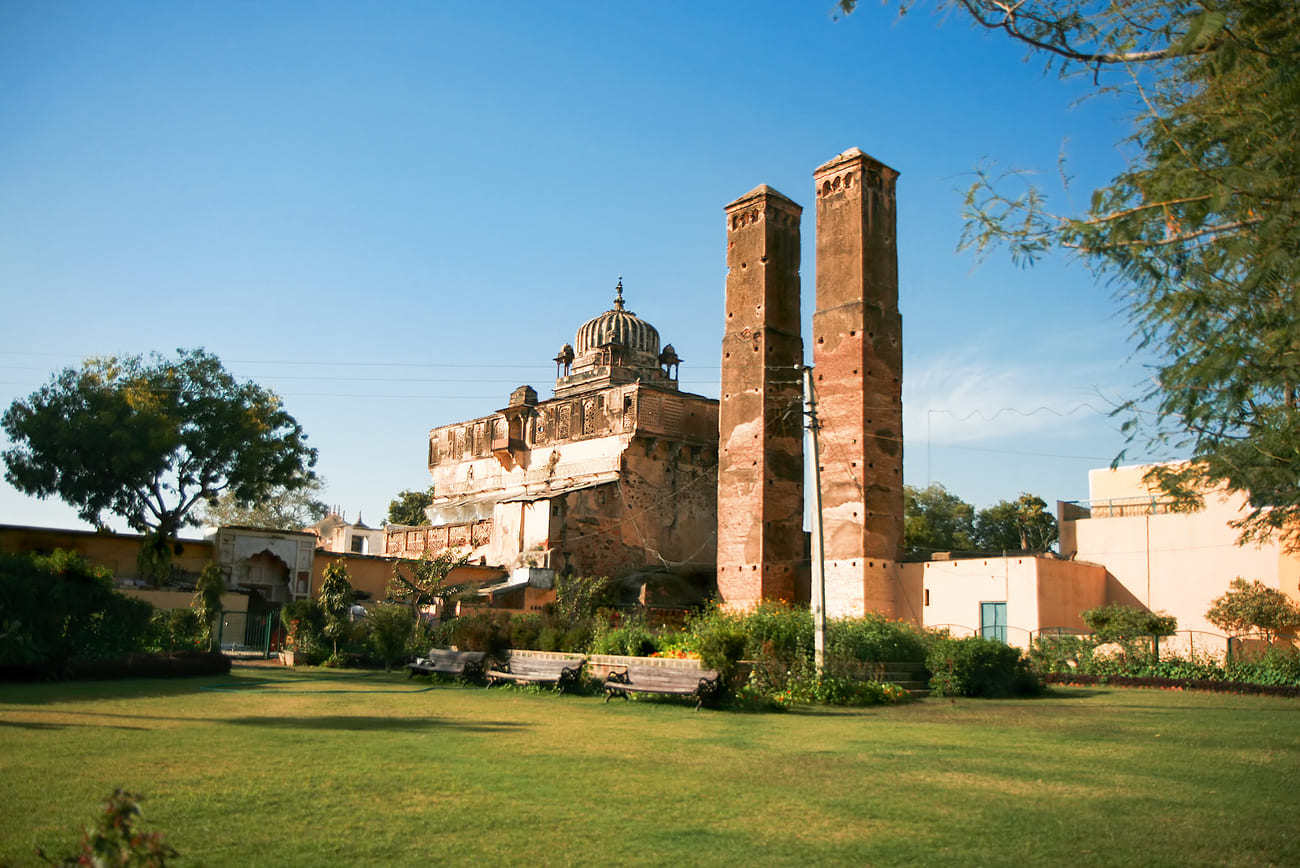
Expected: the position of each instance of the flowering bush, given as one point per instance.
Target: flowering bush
(116, 841)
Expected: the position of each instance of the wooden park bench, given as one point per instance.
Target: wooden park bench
(703, 684)
(440, 661)
(526, 669)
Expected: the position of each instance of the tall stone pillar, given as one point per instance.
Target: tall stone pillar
(760, 461)
(858, 379)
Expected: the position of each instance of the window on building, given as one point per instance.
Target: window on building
(993, 621)
(358, 544)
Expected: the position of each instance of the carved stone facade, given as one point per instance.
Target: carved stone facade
(858, 375)
(760, 471)
(276, 564)
(620, 473)
(616, 475)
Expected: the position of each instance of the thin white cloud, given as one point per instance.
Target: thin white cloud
(965, 396)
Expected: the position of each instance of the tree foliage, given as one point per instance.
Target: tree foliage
(936, 520)
(207, 598)
(390, 633)
(148, 440)
(1117, 622)
(282, 509)
(1198, 233)
(423, 581)
(1254, 606)
(1023, 524)
(408, 507)
(336, 599)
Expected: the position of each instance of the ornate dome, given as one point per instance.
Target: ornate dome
(617, 326)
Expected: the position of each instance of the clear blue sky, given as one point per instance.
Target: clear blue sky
(394, 213)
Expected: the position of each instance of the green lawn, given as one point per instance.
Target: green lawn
(279, 767)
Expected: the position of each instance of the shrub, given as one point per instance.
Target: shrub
(481, 631)
(772, 687)
(389, 632)
(176, 630)
(305, 622)
(207, 599)
(632, 639)
(115, 841)
(721, 649)
(873, 638)
(58, 609)
(579, 599)
(778, 631)
(975, 666)
(1276, 666)
(576, 639)
(526, 631)
(1061, 653)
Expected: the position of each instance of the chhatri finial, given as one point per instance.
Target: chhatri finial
(618, 299)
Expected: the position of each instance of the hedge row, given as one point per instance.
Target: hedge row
(1214, 686)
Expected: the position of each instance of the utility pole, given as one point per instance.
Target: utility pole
(818, 549)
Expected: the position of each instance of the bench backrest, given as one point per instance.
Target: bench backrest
(652, 675)
(443, 655)
(543, 665)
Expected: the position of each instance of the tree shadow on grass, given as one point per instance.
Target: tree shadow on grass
(352, 723)
(39, 726)
(362, 723)
(26, 694)
(1055, 692)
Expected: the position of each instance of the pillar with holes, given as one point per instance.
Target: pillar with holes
(761, 548)
(858, 378)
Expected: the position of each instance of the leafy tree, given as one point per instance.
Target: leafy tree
(1254, 605)
(936, 520)
(336, 599)
(408, 508)
(1198, 233)
(207, 598)
(423, 581)
(148, 440)
(282, 509)
(1023, 525)
(1115, 622)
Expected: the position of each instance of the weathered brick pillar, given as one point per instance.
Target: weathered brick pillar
(760, 421)
(858, 366)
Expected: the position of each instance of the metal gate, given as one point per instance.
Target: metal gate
(243, 635)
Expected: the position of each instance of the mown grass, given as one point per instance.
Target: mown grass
(324, 768)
